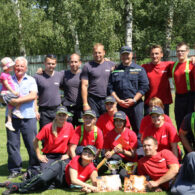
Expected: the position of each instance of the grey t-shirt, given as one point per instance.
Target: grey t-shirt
(71, 85)
(48, 88)
(98, 76)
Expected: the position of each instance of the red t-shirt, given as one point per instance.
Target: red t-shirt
(84, 173)
(57, 144)
(88, 138)
(165, 135)
(147, 121)
(128, 136)
(106, 123)
(156, 166)
(180, 77)
(158, 76)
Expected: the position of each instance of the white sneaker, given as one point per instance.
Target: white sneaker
(18, 114)
(9, 126)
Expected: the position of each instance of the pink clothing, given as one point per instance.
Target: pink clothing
(5, 76)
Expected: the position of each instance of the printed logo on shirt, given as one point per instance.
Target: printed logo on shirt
(163, 71)
(82, 176)
(107, 70)
(163, 136)
(163, 159)
(65, 136)
(56, 83)
(93, 140)
(135, 70)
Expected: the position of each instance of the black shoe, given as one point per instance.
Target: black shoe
(13, 189)
(14, 175)
(5, 184)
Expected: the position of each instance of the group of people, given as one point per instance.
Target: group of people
(102, 112)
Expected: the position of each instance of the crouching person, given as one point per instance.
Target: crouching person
(63, 174)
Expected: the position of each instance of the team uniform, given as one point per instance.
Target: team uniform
(183, 78)
(71, 85)
(165, 135)
(156, 166)
(88, 138)
(58, 174)
(49, 95)
(158, 76)
(106, 123)
(98, 76)
(126, 81)
(147, 121)
(128, 136)
(54, 147)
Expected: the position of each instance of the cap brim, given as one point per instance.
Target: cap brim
(90, 150)
(125, 52)
(61, 112)
(119, 118)
(90, 115)
(155, 113)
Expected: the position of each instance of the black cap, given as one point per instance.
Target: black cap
(91, 148)
(90, 112)
(62, 109)
(125, 49)
(156, 110)
(110, 99)
(120, 115)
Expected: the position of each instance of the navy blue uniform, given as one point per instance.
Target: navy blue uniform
(126, 81)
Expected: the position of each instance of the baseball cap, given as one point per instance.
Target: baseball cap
(91, 148)
(110, 99)
(120, 115)
(125, 49)
(7, 63)
(62, 109)
(156, 110)
(90, 112)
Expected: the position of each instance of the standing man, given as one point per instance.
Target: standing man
(183, 74)
(26, 86)
(128, 83)
(94, 79)
(161, 167)
(71, 85)
(158, 75)
(48, 87)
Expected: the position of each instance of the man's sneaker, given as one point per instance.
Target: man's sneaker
(18, 114)
(9, 126)
(5, 184)
(14, 174)
(13, 189)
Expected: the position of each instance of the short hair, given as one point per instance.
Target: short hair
(181, 44)
(50, 56)
(157, 102)
(151, 138)
(22, 58)
(98, 45)
(156, 47)
(76, 54)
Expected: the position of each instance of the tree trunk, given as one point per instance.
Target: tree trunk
(129, 23)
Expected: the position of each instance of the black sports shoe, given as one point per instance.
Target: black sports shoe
(14, 175)
(13, 189)
(5, 184)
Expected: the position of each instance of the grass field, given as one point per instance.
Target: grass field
(4, 170)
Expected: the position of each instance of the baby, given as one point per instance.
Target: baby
(8, 90)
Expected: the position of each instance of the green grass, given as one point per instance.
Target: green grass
(4, 170)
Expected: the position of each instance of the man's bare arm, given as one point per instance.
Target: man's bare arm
(84, 94)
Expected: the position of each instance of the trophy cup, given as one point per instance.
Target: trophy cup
(113, 166)
(130, 167)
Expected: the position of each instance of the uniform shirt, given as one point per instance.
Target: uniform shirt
(88, 138)
(5, 76)
(187, 128)
(27, 85)
(156, 166)
(98, 76)
(147, 121)
(158, 76)
(71, 86)
(57, 144)
(126, 81)
(128, 136)
(180, 77)
(165, 135)
(48, 87)
(106, 123)
(84, 173)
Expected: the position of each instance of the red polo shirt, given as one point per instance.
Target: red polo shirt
(127, 135)
(156, 166)
(88, 138)
(84, 173)
(106, 123)
(158, 76)
(57, 144)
